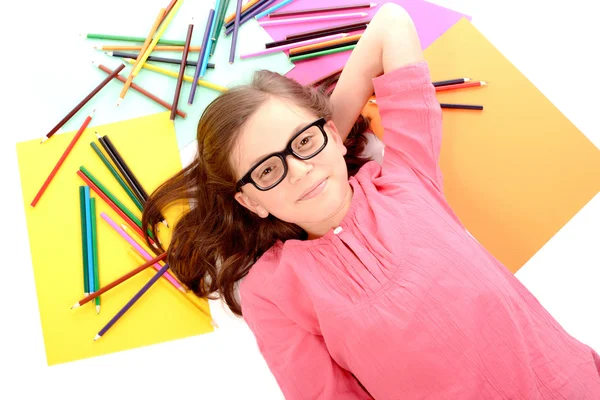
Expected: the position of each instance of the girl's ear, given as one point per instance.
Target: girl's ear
(335, 135)
(251, 205)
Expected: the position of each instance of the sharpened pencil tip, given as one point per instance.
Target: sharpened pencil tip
(75, 305)
(483, 83)
(97, 135)
(119, 101)
(373, 5)
(467, 79)
(97, 309)
(165, 223)
(181, 289)
(97, 337)
(44, 139)
(108, 53)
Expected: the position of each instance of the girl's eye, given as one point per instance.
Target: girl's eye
(266, 171)
(304, 142)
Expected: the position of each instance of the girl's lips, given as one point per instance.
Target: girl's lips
(314, 191)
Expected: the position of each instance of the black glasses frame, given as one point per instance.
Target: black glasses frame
(320, 123)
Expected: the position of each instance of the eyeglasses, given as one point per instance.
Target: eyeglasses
(271, 170)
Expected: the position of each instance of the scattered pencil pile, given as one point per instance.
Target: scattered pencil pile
(300, 47)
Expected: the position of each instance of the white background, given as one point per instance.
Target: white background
(553, 43)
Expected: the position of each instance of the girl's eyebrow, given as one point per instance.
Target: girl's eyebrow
(294, 131)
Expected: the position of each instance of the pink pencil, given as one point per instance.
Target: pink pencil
(140, 250)
(62, 159)
(281, 21)
(292, 45)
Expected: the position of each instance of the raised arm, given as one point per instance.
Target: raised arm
(389, 42)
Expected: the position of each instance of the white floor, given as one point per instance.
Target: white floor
(552, 43)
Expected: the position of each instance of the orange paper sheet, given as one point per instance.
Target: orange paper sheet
(516, 172)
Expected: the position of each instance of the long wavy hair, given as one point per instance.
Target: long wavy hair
(217, 241)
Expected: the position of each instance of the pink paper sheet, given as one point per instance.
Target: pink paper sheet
(430, 20)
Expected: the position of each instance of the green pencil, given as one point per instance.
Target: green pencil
(83, 240)
(220, 21)
(322, 53)
(108, 194)
(114, 173)
(95, 251)
(136, 39)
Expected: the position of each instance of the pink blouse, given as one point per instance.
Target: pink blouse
(399, 301)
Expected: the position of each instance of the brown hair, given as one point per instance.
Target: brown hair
(215, 244)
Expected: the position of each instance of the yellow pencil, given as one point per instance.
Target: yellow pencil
(159, 33)
(155, 26)
(186, 78)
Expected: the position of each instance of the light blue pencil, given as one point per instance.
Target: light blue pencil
(274, 8)
(88, 228)
(210, 42)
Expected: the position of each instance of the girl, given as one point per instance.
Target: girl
(359, 280)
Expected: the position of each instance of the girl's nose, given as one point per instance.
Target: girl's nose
(297, 169)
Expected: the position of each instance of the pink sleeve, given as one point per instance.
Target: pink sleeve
(412, 121)
(298, 359)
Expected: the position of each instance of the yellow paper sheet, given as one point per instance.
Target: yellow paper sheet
(516, 172)
(149, 146)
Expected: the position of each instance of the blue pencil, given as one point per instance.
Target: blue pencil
(213, 26)
(274, 8)
(131, 302)
(88, 235)
(201, 55)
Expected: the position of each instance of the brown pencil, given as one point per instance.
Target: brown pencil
(186, 49)
(326, 44)
(82, 103)
(143, 91)
(120, 280)
(320, 10)
(330, 30)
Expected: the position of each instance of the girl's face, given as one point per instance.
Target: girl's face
(314, 191)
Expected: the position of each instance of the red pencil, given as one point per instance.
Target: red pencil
(82, 103)
(460, 86)
(62, 159)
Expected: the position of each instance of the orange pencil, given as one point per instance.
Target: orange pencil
(157, 22)
(231, 16)
(460, 86)
(325, 44)
(139, 48)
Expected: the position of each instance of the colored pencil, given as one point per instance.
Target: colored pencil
(323, 48)
(272, 9)
(306, 43)
(137, 39)
(327, 31)
(322, 53)
(140, 250)
(321, 10)
(326, 77)
(220, 22)
(246, 6)
(236, 29)
(155, 58)
(318, 18)
(88, 234)
(125, 167)
(213, 27)
(83, 102)
(201, 55)
(296, 48)
(83, 240)
(187, 78)
(112, 205)
(169, 8)
(147, 42)
(163, 26)
(248, 15)
(461, 106)
(182, 66)
(95, 252)
(460, 86)
(451, 82)
(135, 190)
(143, 91)
(138, 48)
(62, 159)
(120, 280)
(131, 302)
(133, 252)
(111, 200)
(116, 175)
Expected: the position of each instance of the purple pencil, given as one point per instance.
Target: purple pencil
(131, 302)
(236, 28)
(251, 15)
(201, 54)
